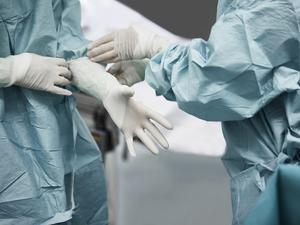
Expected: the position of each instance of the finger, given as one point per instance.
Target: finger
(122, 80)
(155, 132)
(129, 141)
(59, 91)
(61, 81)
(100, 50)
(147, 141)
(112, 60)
(60, 62)
(107, 57)
(127, 91)
(158, 118)
(115, 68)
(65, 72)
(115, 60)
(100, 41)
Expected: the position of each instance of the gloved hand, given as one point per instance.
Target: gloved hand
(36, 72)
(129, 72)
(131, 117)
(126, 44)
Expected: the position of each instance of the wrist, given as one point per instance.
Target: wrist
(91, 78)
(19, 67)
(111, 84)
(6, 65)
(102, 85)
(159, 44)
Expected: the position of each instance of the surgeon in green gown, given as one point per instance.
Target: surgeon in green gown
(51, 169)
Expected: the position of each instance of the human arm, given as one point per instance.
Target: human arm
(132, 118)
(35, 72)
(129, 72)
(134, 42)
(251, 57)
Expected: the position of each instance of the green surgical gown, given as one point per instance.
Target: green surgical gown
(246, 75)
(51, 168)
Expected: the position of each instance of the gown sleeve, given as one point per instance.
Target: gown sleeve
(71, 41)
(251, 57)
(5, 72)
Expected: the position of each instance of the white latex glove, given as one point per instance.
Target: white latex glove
(132, 118)
(35, 72)
(126, 44)
(129, 72)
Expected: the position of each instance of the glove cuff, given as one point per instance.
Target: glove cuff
(148, 43)
(107, 84)
(159, 44)
(19, 67)
(6, 65)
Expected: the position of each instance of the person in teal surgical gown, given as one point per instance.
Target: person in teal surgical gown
(279, 204)
(51, 169)
(246, 75)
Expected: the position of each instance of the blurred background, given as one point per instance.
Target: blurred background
(186, 185)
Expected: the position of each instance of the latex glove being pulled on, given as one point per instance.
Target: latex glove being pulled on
(130, 116)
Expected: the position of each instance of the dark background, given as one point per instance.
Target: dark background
(186, 18)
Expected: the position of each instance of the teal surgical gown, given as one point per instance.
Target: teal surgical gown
(247, 76)
(279, 204)
(50, 168)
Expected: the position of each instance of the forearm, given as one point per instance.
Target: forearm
(96, 82)
(238, 70)
(11, 69)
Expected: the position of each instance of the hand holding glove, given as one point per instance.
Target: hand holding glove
(132, 118)
(129, 72)
(126, 44)
(36, 72)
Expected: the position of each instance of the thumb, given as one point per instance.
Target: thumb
(127, 91)
(115, 68)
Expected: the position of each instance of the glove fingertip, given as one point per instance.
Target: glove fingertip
(155, 152)
(166, 124)
(60, 91)
(113, 70)
(67, 93)
(131, 149)
(129, 142)
(169, 125)
(133, 154)
(166, 145)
